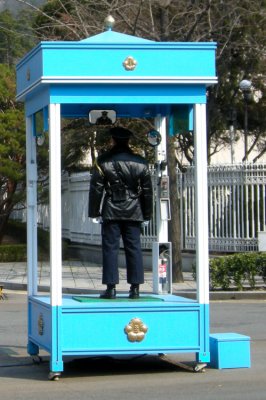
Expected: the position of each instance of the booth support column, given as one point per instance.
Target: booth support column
(201, 205)
(55, 204)
(202, 235)
(32, 251)
(161, 157)
(162, 261)
(56, 361)
(32, 258)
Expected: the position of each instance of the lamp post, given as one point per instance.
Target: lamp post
(245, 87)
(232, 119)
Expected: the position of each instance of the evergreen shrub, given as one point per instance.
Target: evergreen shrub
(236, 270)
(13, 252)
(18, 231)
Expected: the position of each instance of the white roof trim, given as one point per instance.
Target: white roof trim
(181, 80)
(123, 79)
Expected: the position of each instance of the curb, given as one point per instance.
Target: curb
(245, 295)
(214, 296)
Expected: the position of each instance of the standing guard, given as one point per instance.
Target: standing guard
(121, 195)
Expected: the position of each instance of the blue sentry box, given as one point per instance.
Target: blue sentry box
(229, 350)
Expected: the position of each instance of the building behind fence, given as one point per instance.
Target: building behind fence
(237, 209)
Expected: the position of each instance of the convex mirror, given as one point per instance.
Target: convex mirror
(40, 125)
(154, 137)
(102, 117)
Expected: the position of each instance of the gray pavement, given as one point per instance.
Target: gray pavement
(85, 277)
(78, 276)
(144, 378)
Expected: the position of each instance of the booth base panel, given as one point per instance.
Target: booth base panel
(86, 325)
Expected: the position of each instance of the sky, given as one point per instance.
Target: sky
(15, 6)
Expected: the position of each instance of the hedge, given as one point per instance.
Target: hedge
(13, 252)
(236, 270)
(18, 252)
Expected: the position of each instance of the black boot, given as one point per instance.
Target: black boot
(134, 291)
(110, 293)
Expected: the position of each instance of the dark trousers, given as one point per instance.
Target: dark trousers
(130, 232)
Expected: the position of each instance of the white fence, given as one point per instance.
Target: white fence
(237, 204)
(237, 209)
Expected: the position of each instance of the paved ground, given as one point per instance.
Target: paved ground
(77, 276)
(141, 378)
(82, 277)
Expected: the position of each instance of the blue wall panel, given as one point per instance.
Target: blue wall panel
(103, 332)
(29, 70)
(109, 62)
(36, 102)
(129, 94)
(40, 324)
(175, 325)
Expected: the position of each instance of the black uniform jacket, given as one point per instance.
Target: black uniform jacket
(121, 187)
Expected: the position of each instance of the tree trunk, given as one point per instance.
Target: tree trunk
(3, 224)
(174, 227)
(6, 207)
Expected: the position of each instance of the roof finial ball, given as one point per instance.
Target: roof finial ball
(109, 23)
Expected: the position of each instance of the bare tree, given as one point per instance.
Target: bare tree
(238, 27)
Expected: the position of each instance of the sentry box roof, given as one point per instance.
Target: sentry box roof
(134, 76)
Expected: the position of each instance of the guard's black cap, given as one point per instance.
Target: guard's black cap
(118, 132)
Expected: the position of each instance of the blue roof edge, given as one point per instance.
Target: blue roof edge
(115, 37)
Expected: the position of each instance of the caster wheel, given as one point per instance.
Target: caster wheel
(200, 368)
(54, 376)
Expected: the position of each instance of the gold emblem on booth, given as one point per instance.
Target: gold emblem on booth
(40, 324)
(130, 63)
(136, 330)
